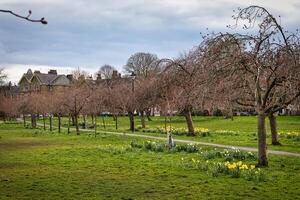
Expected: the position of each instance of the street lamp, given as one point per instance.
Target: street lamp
(133, 75)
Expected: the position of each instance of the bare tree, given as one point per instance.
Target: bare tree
(186, 76)
(75, 100)
(142, 64)
(261, 70)
(106, 71)
(145, 96)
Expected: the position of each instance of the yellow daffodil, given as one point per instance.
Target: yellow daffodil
(239, 163)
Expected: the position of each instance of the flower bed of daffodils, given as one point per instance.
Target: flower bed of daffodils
(203, 132)
(295, 135)
(230, 161)
(233, 169)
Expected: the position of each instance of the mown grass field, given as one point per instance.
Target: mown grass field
(243, 129)
(37, 164)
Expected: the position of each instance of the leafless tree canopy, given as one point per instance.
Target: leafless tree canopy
(142, 64)
(106, 71)
(258, 71)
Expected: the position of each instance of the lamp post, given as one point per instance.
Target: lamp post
(131, 113)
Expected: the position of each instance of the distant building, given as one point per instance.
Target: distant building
(38, 81)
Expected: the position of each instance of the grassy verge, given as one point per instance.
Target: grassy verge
(45, 165)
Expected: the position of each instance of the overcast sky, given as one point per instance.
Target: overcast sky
(90, 33)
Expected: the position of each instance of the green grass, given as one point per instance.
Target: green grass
(244, 127)
(37, 164)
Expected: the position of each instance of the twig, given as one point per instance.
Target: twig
(42, 20)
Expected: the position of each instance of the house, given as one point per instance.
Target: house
(38, 81)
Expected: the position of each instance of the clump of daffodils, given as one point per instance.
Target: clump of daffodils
(234, 169)
(183, 131)
(290, 135)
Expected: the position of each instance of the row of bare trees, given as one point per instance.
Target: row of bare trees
(259, 71)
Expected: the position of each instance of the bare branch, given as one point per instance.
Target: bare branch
(42, 20)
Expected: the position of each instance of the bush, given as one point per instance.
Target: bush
(160, 147)
(229, 155)
(134, 144)
(217, 112)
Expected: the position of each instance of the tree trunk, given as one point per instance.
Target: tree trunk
(59, 122)
(131, 121)
(24, 120)
(116, 121)
(50, 119)
(273, 126)
(262, 140)
(44, 121)
(143, 119)
(69, 122)
(148, 114)
(189, 122)
(93, 121)
(95, 125)
(84, 121)
(33, 120)
(103, 122)
(166, 123)
(73, 120)
(76, 124)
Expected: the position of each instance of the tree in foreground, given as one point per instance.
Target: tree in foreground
(259, 71)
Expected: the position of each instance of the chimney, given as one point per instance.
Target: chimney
(70, 77)
(114, 74)
(99, 76)
(52, 71)
(37, 72)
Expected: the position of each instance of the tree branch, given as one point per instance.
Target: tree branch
(42, 20)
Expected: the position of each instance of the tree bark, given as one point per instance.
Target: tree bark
(116, 121)
(143, 119)
(69, 122)
(273, 126)
(95, 125)
(84, 121)
(262, 140)
(189, 122)
(76, 124)
(33, 120)
(103, 122)
(166, 124)
(131, 121)
(24, 120)
(93, 120)
(73, 120)
(59, 122)
(50, 119)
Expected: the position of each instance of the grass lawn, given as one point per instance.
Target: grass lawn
(43, 165)
(242, 129)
